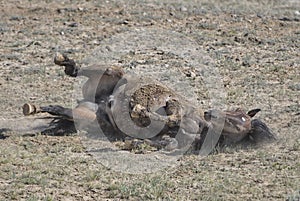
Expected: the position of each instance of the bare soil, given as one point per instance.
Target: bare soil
(255, 46)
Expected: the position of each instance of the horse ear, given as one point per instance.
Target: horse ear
(253, 112)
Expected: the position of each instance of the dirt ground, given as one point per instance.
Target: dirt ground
(255, 46)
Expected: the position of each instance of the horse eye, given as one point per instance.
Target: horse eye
(110, 101)
(243, 119)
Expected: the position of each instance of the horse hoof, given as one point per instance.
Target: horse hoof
(29, 109)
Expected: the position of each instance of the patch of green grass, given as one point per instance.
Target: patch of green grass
(294, 196)
(92, 176)
(153, 187)
(36, 198)
(32, 178)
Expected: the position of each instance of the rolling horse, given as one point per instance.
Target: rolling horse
(125, 106)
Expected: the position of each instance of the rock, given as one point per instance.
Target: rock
(183, 9)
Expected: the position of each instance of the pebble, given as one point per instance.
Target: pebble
(125, 22)
(73, 24)
(16, 18)
(183, 9)
(191, 74)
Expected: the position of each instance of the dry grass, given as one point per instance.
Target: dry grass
(255, 46)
